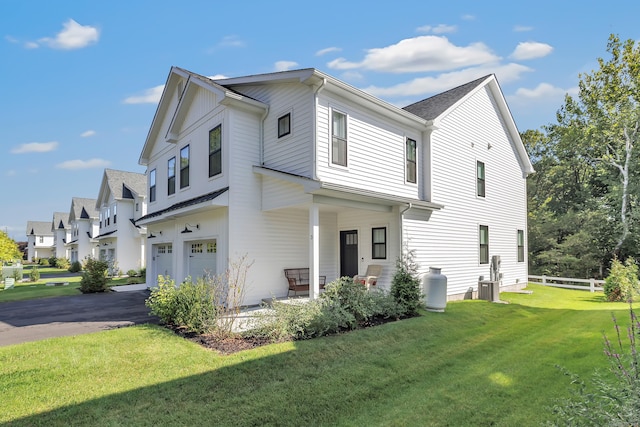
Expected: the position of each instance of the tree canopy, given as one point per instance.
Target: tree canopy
(8, 248)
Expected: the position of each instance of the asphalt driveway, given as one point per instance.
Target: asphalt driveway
(33, 320)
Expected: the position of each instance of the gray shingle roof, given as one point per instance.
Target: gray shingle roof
(431, 108)
(39, 228)
(60, 220)
(83, 208)
(122, 183)
(184, 204)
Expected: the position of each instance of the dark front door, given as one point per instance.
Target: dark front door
(349, 253)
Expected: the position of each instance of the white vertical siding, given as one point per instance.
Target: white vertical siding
(449, 239)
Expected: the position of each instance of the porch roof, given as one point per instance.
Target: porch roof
(186, 207)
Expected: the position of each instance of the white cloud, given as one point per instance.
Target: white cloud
(468, 17)
(88, 133)
(285, 65)
(218, 77)
(11, 39)
(543, 91)
(438, 29)
(522, 28)
(10, 172)
(149, 96)
(35, 147)
(420, 54)
(231, 41)
(31, 45)
(430, 85)
(327, 50)
(531, 50)
(72, 36)
(84, 164)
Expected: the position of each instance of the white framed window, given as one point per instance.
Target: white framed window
(410, 158)
(480, 175)
(379, 243)
(483, 239)
(520, 244)
(284, 125)
(184, 167)
(215, 151)
(115, 214)
(171, 176)
(152, 185)
(338, 138)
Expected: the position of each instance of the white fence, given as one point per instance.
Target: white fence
(561, 282)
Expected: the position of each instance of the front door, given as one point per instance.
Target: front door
(349, 253)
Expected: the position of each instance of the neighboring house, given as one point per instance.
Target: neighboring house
(121, 201)
(83, 226)
(39, 240)
(61, 234)
(299, 169)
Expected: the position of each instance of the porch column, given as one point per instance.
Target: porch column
(314, 251)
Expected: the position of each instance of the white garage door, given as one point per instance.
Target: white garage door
(163, 260)
(201, 259)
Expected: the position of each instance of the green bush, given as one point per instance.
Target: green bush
(142, 272)
(162, 300)
(622, 283)
(44, 262)
(94, 278)
(405, 285)
(132, 273)
(63, 263)
(53, 261)
(75, 267)
(34, 274)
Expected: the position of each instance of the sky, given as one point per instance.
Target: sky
(80, 80)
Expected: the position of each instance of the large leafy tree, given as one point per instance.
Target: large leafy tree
(8, 248)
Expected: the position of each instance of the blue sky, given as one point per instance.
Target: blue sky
(80, 80)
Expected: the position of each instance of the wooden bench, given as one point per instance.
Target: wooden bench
(298, 279)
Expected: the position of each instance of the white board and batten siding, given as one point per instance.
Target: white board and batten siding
(375, 150)
(450, 238)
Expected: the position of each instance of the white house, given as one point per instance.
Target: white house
(83, 225)
(299, 169)
(121, 201)
(39, 240)
(61, 234)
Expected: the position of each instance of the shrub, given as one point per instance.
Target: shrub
(622, 283)
(75, 267)
(405, 285)
(353, 299)
(132, 273)
(34, 274)
(53, 261)
(142, 272)
(63, 263)
(162, 300)
(43, 262)
(94, 278)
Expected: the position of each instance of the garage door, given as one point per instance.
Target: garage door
(163, 260)
(201, 259)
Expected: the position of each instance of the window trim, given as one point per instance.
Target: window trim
(152, 185)
(281, 118)
(171, 176)
(481, 181)
(184, 169)
(483, 245)
(520, 245)
(375, 244)
(215, 152)
(408, 161)
(343, 140)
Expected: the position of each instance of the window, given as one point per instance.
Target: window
(171, 176)
(108, 216)
(115, 214)
(411, 160)
(480, 175)
(520, 245)
(152, 186)
(379, 243)
(215, 151)
(484, 244)
(41, 239)
(137, 206)
(339, 139)
(100, 219)
(184, 167)
(284, 125)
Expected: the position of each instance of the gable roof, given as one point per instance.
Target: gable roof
(438, 106)
(82, 208)
(122, 185)
(39, 228)
(60, 220)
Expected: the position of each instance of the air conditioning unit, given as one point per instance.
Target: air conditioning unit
(489, 290)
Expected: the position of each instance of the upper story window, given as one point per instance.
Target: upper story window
(338, 138)
(480, 186)
(137, 206)
(108, 221)
(483, 238)
(284, 125)
(152, 186)
(379, 243)
(100, 219)
(184, 167)
(171, 176)
(411, 160)
(115, 214)
(41, 239)
(215, 151)
(520, 245)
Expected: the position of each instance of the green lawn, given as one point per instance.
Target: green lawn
(477, 364)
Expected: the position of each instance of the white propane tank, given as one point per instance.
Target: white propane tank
(435, 290)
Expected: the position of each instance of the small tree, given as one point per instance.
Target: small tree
(94, 278)
(34, 274)
(8, 248)
(622, 283)
(405, 285)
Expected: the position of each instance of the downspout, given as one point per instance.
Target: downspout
(401, 219)
(261, 148)
(314, 152)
